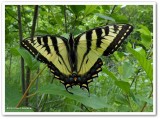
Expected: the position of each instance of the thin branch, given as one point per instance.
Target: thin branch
(32, 34)
(28, 70)
(31, 83)
(34, 20)
(113, 9)
(24, 13)
(20, 39)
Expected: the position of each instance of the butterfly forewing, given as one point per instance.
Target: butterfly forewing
(50, 50)
(99, 41)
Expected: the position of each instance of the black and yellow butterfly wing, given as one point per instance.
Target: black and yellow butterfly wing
(86, 50)
(99, 41)
(51, 50)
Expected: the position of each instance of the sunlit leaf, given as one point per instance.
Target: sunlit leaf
(146, 65)
(125, 86)
(89, 9)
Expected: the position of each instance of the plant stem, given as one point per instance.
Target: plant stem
(20, 40)
(31, 83)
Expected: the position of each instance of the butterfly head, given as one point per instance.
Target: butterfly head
(74, 76)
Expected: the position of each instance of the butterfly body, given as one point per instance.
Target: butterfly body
(76, 61)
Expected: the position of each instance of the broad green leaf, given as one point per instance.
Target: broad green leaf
(141, 51)
(77, 8)
(146, 40)
(119, 18)
(105, 70)
(125, 86)
(146, 64)
(26, 56)
(144, 30)
(32, 63)
(89, 9)
(78, 95)
(104, 17)
(35, 64)
(146, 37)
(14, 51)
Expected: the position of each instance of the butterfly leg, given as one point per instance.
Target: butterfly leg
(85, 86)
(67, 86)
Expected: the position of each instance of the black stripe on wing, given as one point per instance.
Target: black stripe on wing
(118, 40)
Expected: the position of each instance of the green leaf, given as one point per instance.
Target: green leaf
(76, 9)
(119, 98)
(105, 70)
(142, 98)
(39, 31)
(104, 17)
(14, 51)
(144, 30)
(89, 9)
(78, 95)
(140, 50)
(125, 86)
(126, 70)
(146, 65)
(58, 19)
(32, 63)
(146, 37)
(119, 55)
(119, 18)
(26, 56)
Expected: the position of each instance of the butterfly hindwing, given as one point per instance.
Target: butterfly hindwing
(52, 50)
(99, 41)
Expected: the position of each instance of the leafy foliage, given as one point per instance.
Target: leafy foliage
(124, 85)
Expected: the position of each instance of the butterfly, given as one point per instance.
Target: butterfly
(76, 61)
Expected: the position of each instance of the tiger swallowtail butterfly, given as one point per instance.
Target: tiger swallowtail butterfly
(76, 61)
